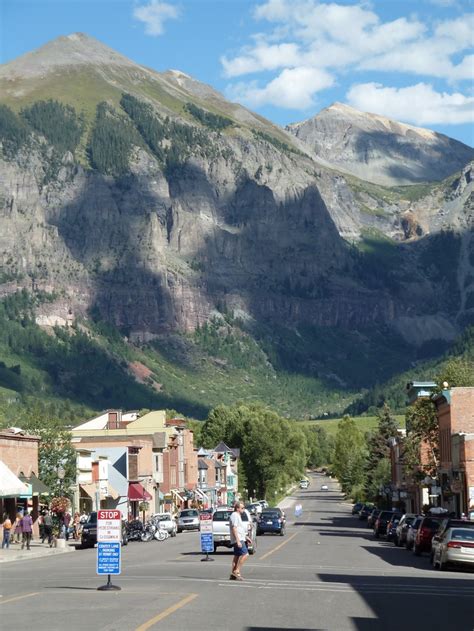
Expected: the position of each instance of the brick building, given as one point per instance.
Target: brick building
(455, 413)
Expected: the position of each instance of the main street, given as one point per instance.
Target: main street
(328, 572)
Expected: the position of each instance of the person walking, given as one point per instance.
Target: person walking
(17, 532)
(48, 528)
(66, 524)
(27, 530)
(7, 528)
(238, 539)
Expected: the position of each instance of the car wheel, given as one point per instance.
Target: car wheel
(179, 530)
(125, 541)
(215, 548)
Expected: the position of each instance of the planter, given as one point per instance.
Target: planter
(60, 543)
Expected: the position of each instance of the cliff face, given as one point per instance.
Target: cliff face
(246, 222)
(380, 150)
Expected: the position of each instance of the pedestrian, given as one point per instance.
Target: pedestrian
(7, 528)
(83, 517)
(17, 532)
(76, 526)
(48, 528)
(239, 540)
(27, 530)
(66, 523)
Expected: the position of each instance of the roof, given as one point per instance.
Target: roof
(37, 487)
(10, 485)
(222, 448)
(202, 464)
(16, 433)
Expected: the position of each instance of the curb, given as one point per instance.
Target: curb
(40, 554)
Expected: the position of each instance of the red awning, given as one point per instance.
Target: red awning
(136, 492)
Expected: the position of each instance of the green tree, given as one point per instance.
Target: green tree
(379, 452)
(422, 427)
(350, 455)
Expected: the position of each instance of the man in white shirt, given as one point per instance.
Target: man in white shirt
(238, 539)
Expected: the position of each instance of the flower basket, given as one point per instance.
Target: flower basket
(59, 505)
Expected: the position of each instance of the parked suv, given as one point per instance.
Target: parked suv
(365, 511)
(221, 528)
(188, 519)
(380, 526)
(402, 529)
(392, 526)
(426, 531)
(89, 532)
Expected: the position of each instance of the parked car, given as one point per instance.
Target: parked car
(254, 509)
(221, 529)
(263, 503)
(452, 522)
(324, 487)
(271, 520)
(380, 525)
(425, 533)
(392, 526)
(304, 484)
(356, 508)
(89, 532)
(167, 522)
(372, 517)
(402, 528)
(412, 529)
(453, 546)
(365, 511)
(188, 519)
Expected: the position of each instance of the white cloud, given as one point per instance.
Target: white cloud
(293, 88)
(419, 104)
(154, 15)
(341, 38)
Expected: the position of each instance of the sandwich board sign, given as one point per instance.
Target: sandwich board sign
(109, 545)
(207, 539)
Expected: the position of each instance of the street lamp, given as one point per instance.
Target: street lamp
(60, 471)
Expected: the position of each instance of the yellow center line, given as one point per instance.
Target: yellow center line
(166, 613)
(278, 547)
(10, 600)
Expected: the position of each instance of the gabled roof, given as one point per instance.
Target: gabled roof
(222, 448)
(203, 452)
(202, 464)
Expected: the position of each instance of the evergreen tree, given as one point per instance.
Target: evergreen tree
(350, 454)
(378, 471)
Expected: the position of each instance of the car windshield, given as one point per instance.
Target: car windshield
(92, 518)
(273, 514)
(189, 513)
(224, 515)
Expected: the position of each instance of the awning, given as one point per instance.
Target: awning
(88, 489)
(10, 485)
(203, 495)
(136, 492)
(111, 492)
(176, 494)
(37, 487)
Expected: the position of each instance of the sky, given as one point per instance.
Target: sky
(410, 60)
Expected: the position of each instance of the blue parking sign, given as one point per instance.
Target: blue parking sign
(207, 542)
(108, 557)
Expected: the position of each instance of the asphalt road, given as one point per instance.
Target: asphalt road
(327, 572)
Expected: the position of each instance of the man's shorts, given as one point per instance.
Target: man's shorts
(242, 551)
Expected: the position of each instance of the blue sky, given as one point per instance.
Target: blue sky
(411, 60)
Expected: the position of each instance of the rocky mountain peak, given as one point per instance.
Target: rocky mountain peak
(75, 49)
(378, 149)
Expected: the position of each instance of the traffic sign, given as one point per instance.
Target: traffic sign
(108, 558)
(109, 525)
(207, 543)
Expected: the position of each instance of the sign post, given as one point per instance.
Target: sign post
(207, 538)
(109, 546)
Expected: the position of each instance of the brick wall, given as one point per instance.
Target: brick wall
(462, 410)
(20, 454)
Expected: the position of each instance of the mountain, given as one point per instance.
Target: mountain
(216, 247)
(380, 150)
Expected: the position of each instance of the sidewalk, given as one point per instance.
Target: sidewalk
(37, 550)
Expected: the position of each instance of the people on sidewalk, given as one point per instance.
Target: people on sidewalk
(47, 528)
(17, 532)
(27, 530)
(7, 528)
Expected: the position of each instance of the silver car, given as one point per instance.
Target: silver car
(188, 519)
(454, 545)
(411, 533)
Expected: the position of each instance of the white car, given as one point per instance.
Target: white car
(166, 522)
(455, 545)
(324, 487)
(304, 484)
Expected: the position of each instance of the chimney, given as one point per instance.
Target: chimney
(114, 420)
